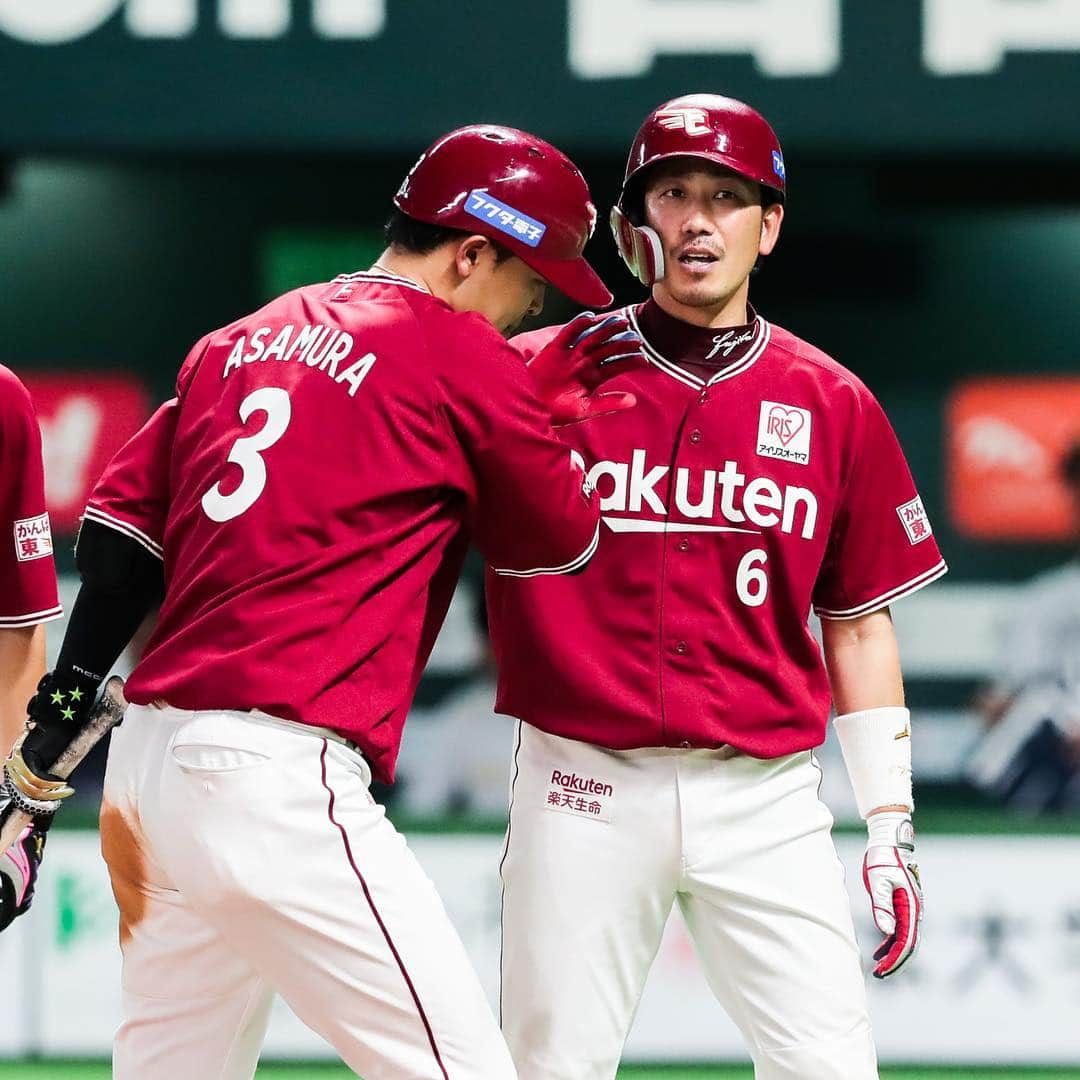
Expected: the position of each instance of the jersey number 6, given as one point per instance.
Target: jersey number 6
(247, 453)
(751, 581)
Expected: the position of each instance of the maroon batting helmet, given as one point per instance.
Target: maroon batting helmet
(717, 129)
(515, 189)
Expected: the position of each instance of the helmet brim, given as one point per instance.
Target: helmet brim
(574, 277)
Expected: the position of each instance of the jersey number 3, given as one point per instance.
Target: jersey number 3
(247, 452)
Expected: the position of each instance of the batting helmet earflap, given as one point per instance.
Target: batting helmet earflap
(707, 126)
(514, 189)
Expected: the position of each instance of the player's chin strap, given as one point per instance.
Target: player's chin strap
(639, 247)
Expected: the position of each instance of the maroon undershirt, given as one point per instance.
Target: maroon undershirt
(701, 350)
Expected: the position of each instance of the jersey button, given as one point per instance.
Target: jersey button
(681, 647)
(695, 436)
(684, 544)
(684, 745)
(703, 397)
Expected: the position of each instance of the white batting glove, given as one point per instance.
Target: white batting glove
(892, 880)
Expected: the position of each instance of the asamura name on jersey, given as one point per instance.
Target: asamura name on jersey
(735, 498)
(321, 348)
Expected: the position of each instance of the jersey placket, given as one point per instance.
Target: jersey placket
(681, 652)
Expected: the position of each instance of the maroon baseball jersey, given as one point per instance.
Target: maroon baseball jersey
(27, 573)
(313, 489)
(753, 480)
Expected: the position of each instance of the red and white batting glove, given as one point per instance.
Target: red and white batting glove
(581, 357)
(19, 870)
(892, 880)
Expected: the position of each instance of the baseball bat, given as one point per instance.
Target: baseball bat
(103, 717)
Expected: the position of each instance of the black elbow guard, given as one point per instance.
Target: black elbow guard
(109, 561)
(121, 583)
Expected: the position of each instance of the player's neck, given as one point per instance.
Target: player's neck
(701, 350)
(728, 312)
(416, 268)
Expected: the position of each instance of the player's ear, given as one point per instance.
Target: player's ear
(771, 218)
(470, 254)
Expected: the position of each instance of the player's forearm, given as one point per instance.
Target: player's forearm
(22, 663)
(863, 661)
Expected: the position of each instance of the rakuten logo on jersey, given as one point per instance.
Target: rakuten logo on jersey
(701, 495)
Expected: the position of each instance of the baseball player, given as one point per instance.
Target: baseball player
(309, 495)
(28, 599)
(1029, 757)
(670, 698)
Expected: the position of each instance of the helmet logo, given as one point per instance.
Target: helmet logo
(505, 218)
(778, 164)
(686, 118)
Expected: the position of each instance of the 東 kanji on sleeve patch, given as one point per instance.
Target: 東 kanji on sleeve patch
(913, 518)
(33, 538)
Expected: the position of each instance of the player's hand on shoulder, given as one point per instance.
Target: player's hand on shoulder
(570, 369)
(892, 879)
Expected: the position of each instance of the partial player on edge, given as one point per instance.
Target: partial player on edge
(28, 600)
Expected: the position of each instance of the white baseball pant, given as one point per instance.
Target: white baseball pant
(600, 845)
(247, 857)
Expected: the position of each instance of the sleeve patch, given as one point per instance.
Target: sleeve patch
(913, 517)
(33, 538)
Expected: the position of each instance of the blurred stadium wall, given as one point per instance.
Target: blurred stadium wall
(166, 165)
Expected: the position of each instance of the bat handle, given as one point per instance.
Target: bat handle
(106, 714)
